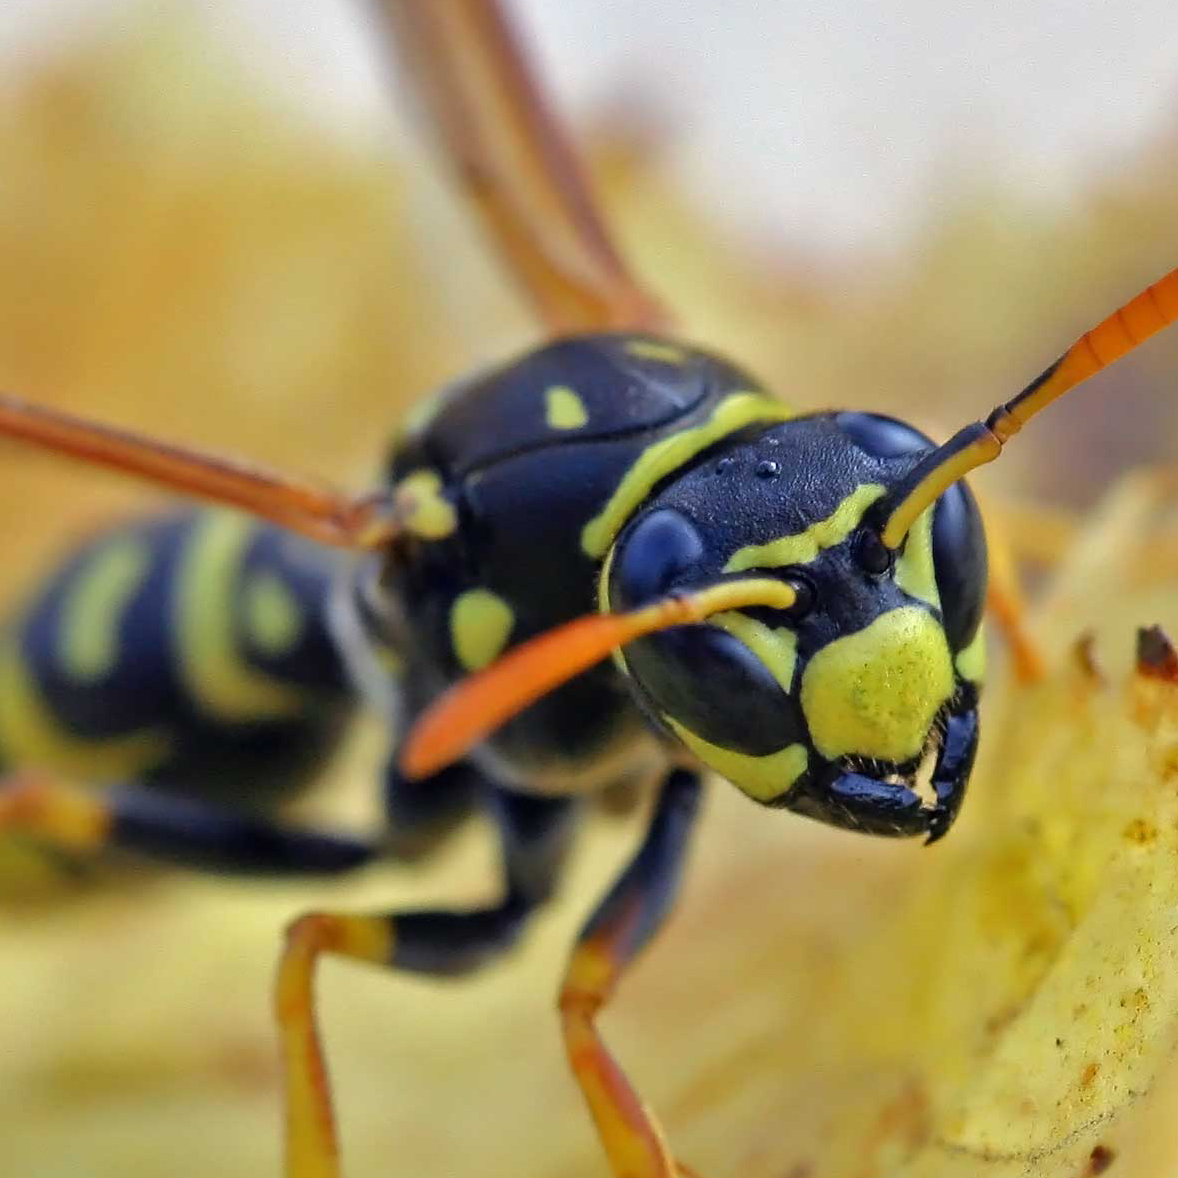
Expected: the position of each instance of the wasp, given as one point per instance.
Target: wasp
(615, 559)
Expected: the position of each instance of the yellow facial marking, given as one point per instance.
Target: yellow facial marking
(775, 646)
(915, 572)
(763, 778)
(272, 614)
(89, 648)
(480, 625)
(971, 659)
(875, 693)
(211, 665)
(564, 409)
(648, 349)
(803, 547)
(30, 734)
(428, 513)
(666, 455)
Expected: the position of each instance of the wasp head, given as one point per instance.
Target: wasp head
(833, 706)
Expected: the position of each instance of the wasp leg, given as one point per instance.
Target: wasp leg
(171, 829)
(534, 833)
(1040, 534)
(419, 814)
(623, 923)
(1004, 601)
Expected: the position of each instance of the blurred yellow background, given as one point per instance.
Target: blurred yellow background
(185, 253)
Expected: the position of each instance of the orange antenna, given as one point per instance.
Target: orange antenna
(1156, 307)
(320, 513)
(474, 708)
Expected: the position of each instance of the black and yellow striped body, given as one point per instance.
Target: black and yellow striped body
(536, 467)
(189, 652)
(215, 658)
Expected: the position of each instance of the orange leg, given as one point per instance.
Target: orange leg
(534, 833)
(185, 831)
(311, 1149)
(65, 816)
(1004, 599)
(627, 918)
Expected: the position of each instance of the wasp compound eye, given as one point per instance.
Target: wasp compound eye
(871, 554)
(660, 548)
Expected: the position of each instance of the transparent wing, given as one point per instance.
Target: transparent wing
(515, 162)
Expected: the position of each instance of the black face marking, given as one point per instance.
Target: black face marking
(872, 554)
(709, 681)
(692, 671)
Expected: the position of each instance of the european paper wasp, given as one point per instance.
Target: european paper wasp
(792, 599)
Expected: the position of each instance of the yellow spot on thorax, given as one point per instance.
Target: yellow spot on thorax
(916, 573)
(31, 735)
(668, 454)
(648, 349)
(273, 615)
(212, 666)
(875, 693)
(480, 624)
(89, 639)
(763, 778)
(971, 659)
(803, 547)
(427, 513)
(564, 409)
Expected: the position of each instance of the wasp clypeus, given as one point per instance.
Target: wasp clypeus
(792, 600)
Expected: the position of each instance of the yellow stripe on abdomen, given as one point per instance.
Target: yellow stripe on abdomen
(212, 668)
(88, 644)
(31, 735)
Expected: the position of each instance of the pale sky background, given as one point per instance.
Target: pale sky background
(826, 123)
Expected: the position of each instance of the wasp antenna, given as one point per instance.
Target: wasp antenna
(1154, 308)
(475, 707)
(320, 513)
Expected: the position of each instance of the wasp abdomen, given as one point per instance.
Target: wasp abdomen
(188, 650)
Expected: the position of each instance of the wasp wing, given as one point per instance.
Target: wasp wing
(515, 163)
